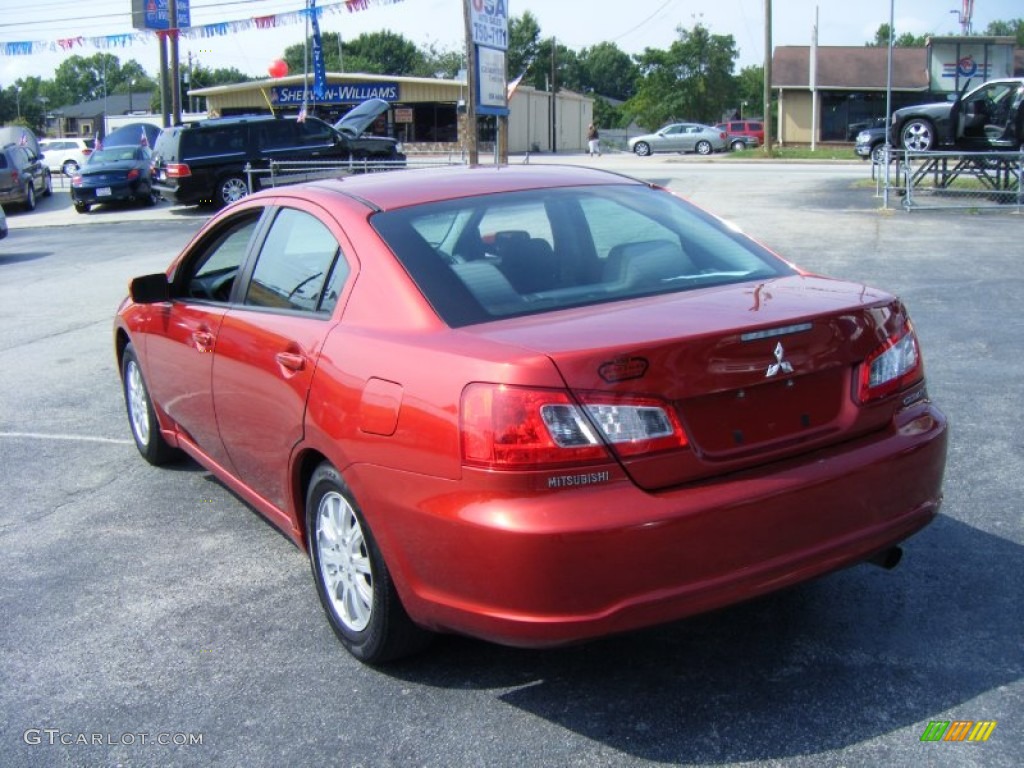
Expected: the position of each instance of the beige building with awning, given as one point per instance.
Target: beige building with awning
(425, 113)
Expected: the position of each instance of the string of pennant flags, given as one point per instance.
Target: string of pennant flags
(219, 29)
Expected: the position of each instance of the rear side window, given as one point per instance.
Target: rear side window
(204, 142)
(494, 256)
(295, 262)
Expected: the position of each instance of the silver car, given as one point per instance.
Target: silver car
(681, 137)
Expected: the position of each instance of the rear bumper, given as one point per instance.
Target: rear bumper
(182, 194)
(118, 193)
(560, 564)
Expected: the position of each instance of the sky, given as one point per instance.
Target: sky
(632, 25)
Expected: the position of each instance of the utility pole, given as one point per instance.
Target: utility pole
(172, 6)
(470, 133)
(554, 98)
(767, 94)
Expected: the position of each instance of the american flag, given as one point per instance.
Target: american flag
(98, 143)
(302, 114)
(144, 141)
(23, 141)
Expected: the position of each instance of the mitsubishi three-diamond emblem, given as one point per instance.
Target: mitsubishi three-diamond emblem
(780, 365)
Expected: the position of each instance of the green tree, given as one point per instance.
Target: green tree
(906, 40)
(24, 103)
(606, 115)
(523, 44)
(608, 71)
(442, 62)
(750, 90)
(382, 53)
(81, 78)
(1013, 28)
(692, 80)
(204, 77)
(555, 66)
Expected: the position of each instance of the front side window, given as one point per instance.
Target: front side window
(494, 256)
(313, 132)
(210, 274)
(295, 263)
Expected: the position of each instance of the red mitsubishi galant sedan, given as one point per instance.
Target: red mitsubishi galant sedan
(530, 404)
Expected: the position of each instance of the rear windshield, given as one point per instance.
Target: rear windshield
(495, 256)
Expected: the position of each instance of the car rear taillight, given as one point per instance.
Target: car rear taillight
(177, 170)
(892, 367)
(133, 173)
(505, 427)
(86, 152)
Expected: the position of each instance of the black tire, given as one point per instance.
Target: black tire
(738, 145)
(47, 184)
(918, 135)
(69, 168)
(141, 416)
(642, 148)
(878, 154)
(30, 197)
(230, 187)
(353, 582)
(82, 207)
(703, 147)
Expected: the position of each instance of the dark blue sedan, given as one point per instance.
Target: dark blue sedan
(114, 174)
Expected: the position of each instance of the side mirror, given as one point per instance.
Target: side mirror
(150, 289)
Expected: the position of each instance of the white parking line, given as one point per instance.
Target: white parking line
(76, 438)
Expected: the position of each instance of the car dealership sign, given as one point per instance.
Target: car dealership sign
(156, 14)
(489, 20)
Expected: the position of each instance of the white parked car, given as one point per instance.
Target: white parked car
(66, 155)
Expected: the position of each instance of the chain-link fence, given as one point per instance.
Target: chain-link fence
(951, 180)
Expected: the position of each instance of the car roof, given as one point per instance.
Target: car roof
(401, 188)
(214, 122)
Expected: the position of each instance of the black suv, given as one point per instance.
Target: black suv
(205, 162)
(23, 176)
(989, 117)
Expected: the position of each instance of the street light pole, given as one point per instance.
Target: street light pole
(17, 99)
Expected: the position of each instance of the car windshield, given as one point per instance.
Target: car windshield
(495, 256)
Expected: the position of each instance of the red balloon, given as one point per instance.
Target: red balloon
(278, 68)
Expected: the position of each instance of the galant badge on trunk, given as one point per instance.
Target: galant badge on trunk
(780, 365)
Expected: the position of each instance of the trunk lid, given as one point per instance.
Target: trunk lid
(756, 371)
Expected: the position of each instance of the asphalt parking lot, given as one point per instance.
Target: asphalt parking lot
(148, 617)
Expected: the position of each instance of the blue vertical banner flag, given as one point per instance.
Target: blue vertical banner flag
(319, 69)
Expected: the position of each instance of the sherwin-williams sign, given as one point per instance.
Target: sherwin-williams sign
(336, 93)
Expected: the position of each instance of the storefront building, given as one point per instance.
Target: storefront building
(426, 114)
(849, 87)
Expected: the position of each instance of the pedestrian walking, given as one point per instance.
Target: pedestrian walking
(593, 140)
